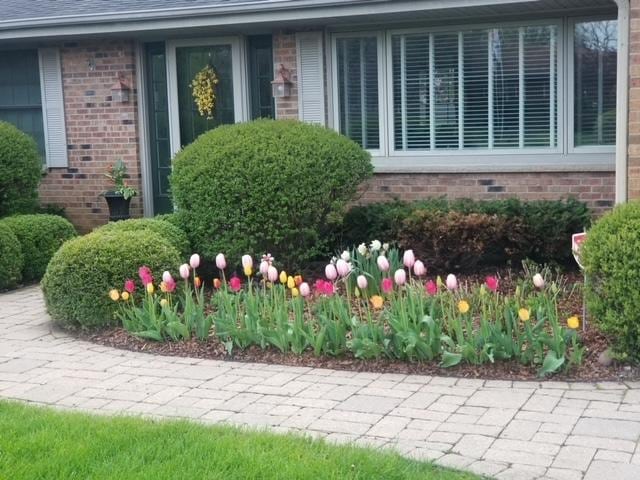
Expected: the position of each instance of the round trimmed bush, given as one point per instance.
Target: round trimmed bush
(79, 276)
(167, 230)
(611, 256)
(11, 258)
(276, 186)
(20, 171)
(40, 237)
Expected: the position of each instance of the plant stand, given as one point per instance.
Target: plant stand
(118, 206)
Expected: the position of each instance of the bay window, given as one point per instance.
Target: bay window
(477, 91)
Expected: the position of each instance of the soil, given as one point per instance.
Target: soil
(571, 303)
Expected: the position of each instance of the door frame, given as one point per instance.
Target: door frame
(239, 73)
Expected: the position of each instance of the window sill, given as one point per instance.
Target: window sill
(584, 162)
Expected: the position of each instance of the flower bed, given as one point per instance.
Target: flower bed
(374, 303)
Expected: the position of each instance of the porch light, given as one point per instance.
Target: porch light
(281, 85)
(120, 90)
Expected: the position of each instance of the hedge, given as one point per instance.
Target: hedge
(11, 258)
(167, 230)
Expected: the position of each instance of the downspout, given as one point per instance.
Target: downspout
(622, 116)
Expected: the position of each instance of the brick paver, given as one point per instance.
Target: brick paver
(503, 429)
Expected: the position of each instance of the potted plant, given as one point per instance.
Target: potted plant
(119, 198)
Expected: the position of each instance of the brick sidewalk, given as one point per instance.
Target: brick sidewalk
(519, 430)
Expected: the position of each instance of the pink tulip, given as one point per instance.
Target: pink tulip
(383, 263)
(343, 268)
(166, 277)
(221, 262)
(272, 274)
(419, 269)
(305, 290)
(387, 285)
(452, 282)
(330, 272)
(247, 262)
(362, 282)
(264, 268)
(400, 277)
(538, 281)
(145, 275)
(235, 284)
(431, 288)
(130, 286)
(409, 259)
(492, 283)
(194, 261)
(184, 271)
(170, 284)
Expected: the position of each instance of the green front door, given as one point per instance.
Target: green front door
(189, 61)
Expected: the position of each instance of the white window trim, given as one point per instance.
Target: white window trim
(240, 83)
(561, 158)
(335, 98)
(570, 43)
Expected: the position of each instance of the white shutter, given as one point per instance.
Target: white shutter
(53, 107)
(310, 77)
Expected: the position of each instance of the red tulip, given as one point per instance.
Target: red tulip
(235, 284)
(130, 286)
(431, 287)
(492, 283)
(387, 285)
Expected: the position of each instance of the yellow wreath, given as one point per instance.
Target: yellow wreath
(204, 95)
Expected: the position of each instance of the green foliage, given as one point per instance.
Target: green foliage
(40, 443)
(539, 230)
(80, 275)
(166, 229)
(11, 258)
(20, 171)
(40, 237)
(266, 186)
(611, 256)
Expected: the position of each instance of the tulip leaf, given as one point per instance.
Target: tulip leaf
(450, 359)
(551, 364)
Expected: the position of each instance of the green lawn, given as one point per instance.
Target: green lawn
(38, 443)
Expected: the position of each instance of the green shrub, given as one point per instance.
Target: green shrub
(454, 241)
(11, 258)
(165, 229)
(80, 275)
(267, 186)
(20, 171)
(544, 227)
(611, 256)
(40, 237)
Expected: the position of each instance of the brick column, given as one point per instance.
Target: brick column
(99, 131)
(634, 103)
(284, 52)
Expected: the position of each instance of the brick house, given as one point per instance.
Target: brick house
(538, 99)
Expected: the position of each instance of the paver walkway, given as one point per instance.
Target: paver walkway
(519, 430)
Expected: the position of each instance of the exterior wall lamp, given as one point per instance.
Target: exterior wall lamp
(120, 90)
(282, 84)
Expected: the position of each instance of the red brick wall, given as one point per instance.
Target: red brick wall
(284, 52)
(596, 189)
(634, 103)
(99, 131)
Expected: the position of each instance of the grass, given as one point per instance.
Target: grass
(39, 443)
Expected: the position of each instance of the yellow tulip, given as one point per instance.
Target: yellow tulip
(573, 322)
(283, 277)
(295, 292)
(377, 301)
(125, 296)
(150, 288)
(164, 302)
(248, 270)
(291, 283)
(524, 314)
(463, 306)
(114, 295)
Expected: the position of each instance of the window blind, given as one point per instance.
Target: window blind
(475, 89)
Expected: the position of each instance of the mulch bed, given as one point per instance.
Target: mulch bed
(590, 370)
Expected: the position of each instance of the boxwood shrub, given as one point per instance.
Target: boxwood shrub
(40, 237)
(11, 258)
(543, 232)
(80, 274)
(167, 230)
(20, 171)
(611, 256)
(273, 186)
